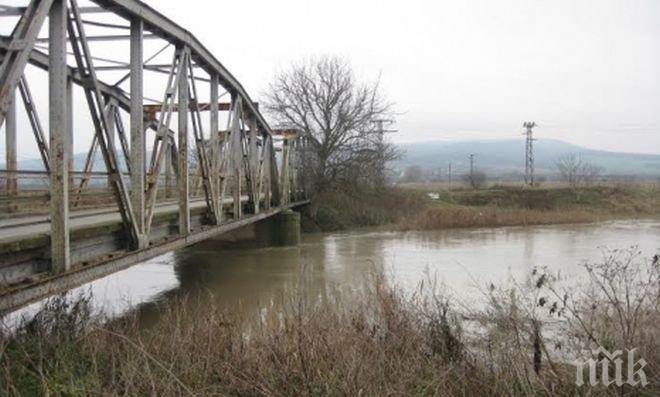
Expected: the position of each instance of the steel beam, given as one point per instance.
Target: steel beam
(127, 66)
(18, 50)
(110, 126)
(18, 11)
(284, 172)
(10, 146)
(203, 163)
(40, 60)
(69, 126)
(35, 122)
(236, 155)
(96, 102)
(119, 37)
(162, 146)
(158, 24)
(261, 170)
(273, 178)
(121, 134)
(137, 158)
(59, 161)
(152, 109)
(169, 158)
(253, 162)
(213, 141)
(182, 180)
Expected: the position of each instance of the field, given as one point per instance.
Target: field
(502, 205)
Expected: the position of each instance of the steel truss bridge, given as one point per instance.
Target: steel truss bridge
(61, 227)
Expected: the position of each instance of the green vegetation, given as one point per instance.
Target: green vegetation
(509, 205)
(358, 207)
(410, 207)
(381, 342)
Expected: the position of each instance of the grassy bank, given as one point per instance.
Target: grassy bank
(352, 208)
(409, 207)
(382, 343)
(511, 206)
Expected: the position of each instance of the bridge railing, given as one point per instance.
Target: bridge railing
(171, 150)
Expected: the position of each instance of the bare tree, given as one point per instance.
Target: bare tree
(413, 173)
(591, 173)
(576, 171)
(569, 166)
(323, 98)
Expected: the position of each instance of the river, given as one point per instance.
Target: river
(462, 260)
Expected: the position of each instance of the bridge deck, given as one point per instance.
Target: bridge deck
(17, 228)
(13, 229)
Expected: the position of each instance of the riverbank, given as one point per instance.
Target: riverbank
(379, 342)
(518, 206)
(345, 209)
(427, 207)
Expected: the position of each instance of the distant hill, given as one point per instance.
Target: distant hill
(496, 157)
(507, 156)
(36, 164)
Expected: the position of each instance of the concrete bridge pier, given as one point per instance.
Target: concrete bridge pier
(281, 230)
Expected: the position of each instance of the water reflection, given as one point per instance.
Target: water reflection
(256, 280)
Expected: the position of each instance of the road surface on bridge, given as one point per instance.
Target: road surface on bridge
(23, 227)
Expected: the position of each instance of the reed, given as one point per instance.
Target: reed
(380, 342)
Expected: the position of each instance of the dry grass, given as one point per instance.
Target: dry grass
(382, 343)
(446, 217)
(513, 206)
(458, 185)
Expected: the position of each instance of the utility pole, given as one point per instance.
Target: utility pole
(529, 152)
(449, 175)
(471, 179)
(380, 128)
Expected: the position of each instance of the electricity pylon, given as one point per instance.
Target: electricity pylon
(529, 152)
(380, 129)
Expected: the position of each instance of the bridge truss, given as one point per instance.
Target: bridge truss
(213, 179)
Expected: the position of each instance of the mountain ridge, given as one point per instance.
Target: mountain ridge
(494, 156)
(505, 156)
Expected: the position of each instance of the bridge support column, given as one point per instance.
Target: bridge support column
(213, 139)
(10, 146)
(236, 155)
(182, 182)
(281, 230)
(59, 159)
(253, 161)
(69, 125)
(137, 130)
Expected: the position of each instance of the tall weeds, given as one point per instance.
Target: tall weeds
(381, 341)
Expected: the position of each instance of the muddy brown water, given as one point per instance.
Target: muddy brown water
(462, 260)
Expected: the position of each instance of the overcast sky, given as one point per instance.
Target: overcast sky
(585, 71)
